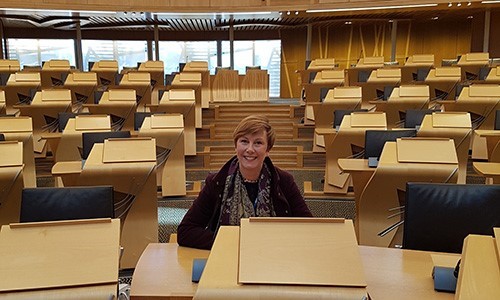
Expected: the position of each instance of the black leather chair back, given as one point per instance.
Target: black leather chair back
(375, 140)
(67, 203)
(63, 119)
(139, 118)
(439, 216)
(90, 138)
(414, 117)
(497, 120)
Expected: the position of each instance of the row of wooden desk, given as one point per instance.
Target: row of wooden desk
(164, 272)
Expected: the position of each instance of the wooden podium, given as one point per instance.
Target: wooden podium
(471, 63)
(21, 129)
(11, 181)
(479, 268)
(453, 125)
(337, 98)
(254, 86)
(201, 67)
(9, 65)
(374, 87)
(191, 81)
(67, 146)
(60, 260)
(481, 101)
(82, 86)
(53, 71)
(168, 131)
(183, 102)
(156, 69)
(413, 64)
(324, 79)
(380, 197)
(129, 165)
(44, 111)
(401, 99)
(106, 71)
(141, 83)
(348, 142)
(19, 88)
(284, 258)
(442, 81)
(226, 86)
(120, 104)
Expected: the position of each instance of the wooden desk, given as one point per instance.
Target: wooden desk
(164, 272)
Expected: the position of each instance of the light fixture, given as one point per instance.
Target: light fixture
(490, 1)
(435, 18)
(449, 4)
(391, 21)
(296, 13)
(288, 13)
(469, 3)
(470, 17)
(348, 23)
(281, 13)
(371, 8)
(459, 4)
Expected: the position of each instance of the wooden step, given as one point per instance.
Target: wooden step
(282, 156)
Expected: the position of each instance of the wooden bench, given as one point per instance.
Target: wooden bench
(283, 156)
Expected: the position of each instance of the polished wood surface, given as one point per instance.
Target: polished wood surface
(164, 272)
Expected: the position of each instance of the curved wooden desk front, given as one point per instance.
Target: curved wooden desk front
(164, 272)
(380, 192)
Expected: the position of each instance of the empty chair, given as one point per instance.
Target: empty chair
(497, 120)
(2, 137)
(67, 203)
(375, 140)
(339, 114)
(90, 138)
(414, 117)
(483, 72)
(422, 73)
(363, 76)
(322, 93)
(439, 216)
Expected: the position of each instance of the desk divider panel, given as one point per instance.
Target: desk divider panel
(56, 95)
(479, 273)
(129, 150)
(423, 150)
(451, 120)
(483, 90)
(304, 251)
(190, 77)
(12, 154)
(181, 94)
(167, 121)
(372, 119)
(92, 122)
(121, 95)
(55, 255)
(414, 91)
(26, 77)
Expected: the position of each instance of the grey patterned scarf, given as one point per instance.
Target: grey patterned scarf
(235, 201)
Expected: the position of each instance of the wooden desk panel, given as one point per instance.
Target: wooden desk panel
(164, 272)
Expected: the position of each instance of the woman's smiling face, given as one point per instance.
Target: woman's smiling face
(251, 150)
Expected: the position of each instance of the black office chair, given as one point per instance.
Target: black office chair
(375, 140)
(414, 117)
(67, 203)
(483, 72)
(439, 216)
(422, 73)
(322, 93)
(338, 115)
(2, 137)
(312, 75)
(387, 92)
(90, 138)
(497, 120)
(139, 119)
(363, 76)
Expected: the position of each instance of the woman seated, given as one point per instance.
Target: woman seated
(248, 185)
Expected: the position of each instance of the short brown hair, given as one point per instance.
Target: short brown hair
(253, 124)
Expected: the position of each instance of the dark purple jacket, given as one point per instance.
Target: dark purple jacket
(200, 224)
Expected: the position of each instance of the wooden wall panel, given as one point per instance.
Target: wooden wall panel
(494, 49)
(293, 57)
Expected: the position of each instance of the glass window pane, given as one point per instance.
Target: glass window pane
(33, 52)
(266, 54)
(127, 53)
(173, 53)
